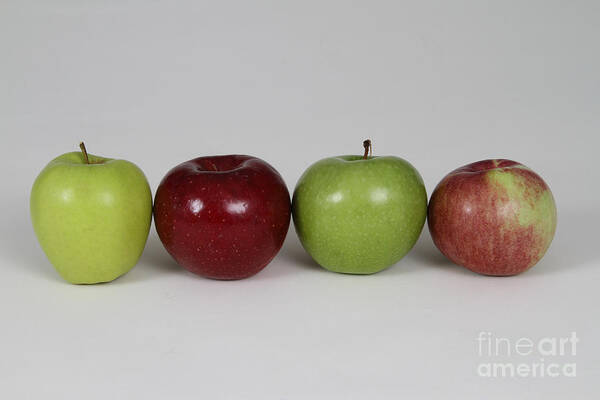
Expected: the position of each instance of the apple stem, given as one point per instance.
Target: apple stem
(84, 151)
(368, 149)
(213, 166)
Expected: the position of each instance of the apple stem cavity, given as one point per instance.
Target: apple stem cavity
(84, 151)
(368, 149)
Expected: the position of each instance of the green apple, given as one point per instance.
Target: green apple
(91, 216)
(359, 214)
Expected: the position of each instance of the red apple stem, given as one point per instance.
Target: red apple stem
(84, 151)
(213, 166)
(368, 149)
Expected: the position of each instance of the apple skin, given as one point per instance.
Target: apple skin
(223, 217)
(494, 217)
(92, 220)
(359, 216)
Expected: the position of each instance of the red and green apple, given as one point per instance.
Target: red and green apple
(495, 217)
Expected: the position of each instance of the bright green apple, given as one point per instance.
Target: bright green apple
(91, 216)
(359, 215)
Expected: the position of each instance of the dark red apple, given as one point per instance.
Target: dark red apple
(495, 217)
(222, 217)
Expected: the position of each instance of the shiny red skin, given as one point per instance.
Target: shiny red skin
(222, 217)
(467, 220)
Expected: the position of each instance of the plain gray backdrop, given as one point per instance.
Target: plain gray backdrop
(439, 83)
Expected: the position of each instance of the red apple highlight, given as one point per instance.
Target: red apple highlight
(495, 217)
(222, 217)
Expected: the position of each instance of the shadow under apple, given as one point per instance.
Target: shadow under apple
(292, 256)
(575, 244)
(154, 262)
(19, 244)
(426, 255)
(573, 247)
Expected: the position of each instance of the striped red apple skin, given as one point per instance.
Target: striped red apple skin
(494, 217)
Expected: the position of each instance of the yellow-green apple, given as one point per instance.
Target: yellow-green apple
(91, 215)
(359, 214)
(495, 217)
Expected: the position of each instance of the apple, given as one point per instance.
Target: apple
(91, 215)
(495, 217)
(359, 214)
(222, 217)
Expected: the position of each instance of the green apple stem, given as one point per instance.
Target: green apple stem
(368, 149)
(84, 151)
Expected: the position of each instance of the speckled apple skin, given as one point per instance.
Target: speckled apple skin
(494, 217)
(223, 217)
(92, 220)
(359, 216)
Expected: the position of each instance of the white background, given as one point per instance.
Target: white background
(441, 84)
